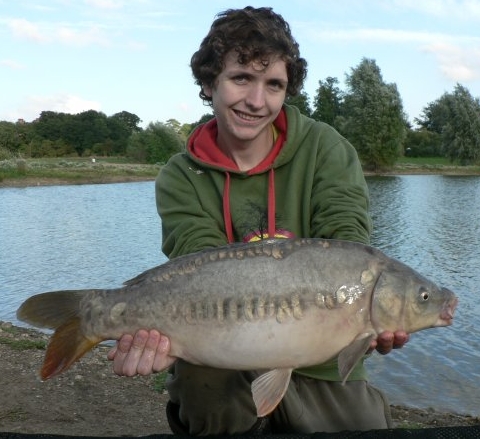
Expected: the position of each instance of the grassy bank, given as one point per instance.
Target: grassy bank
(33, 172)
(36, 172)
(430, 165)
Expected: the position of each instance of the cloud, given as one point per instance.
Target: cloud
(457, 63)
(82, 34)
(105, 4)
(381, 35)
(64, 103)
(25, 29)
(457, 55)
(466, 10)
(92, 35)
(11, 64)
(33, 105)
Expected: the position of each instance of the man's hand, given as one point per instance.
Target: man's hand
(144, 353)
(387, 340)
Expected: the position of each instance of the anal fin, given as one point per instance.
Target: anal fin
(269, 388)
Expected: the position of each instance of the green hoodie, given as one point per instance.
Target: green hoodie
(310, 185)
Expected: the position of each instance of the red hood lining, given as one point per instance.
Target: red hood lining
(203, 146)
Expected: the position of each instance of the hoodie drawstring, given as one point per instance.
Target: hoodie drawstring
(271, 204)
(227, 216)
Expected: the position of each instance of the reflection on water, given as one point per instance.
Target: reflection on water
(100, 235)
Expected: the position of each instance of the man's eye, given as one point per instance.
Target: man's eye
(275, 85)
(240, 79)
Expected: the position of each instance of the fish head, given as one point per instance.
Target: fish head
(402, 299)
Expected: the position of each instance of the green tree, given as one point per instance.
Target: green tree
(51, 125)
(435, 115)
(120, 127)
(174, 124)
(15, 136)
(156, 144)
(129, 120)
(423, 143)
(185, 131)
(374, 118)
(328, 102)
(204, 119)
(78, 131)
(9, 139)
(302, 102)
(455, 117)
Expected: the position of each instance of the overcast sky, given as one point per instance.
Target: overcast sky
(133, 55)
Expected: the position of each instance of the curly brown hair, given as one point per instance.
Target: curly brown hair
(256, 35)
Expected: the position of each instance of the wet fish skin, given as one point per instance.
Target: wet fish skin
(274, 305)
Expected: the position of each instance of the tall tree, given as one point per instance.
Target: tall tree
(301, 101)
(120, 126)
(128, 120)
(374, 118)
(155, 144)
(456, 118)
(13, 136)
(328, 101)
(204, 119)
(423, 143)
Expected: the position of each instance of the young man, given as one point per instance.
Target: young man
(258, 169)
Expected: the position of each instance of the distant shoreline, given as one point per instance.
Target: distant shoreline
(78, 172)
(55, 181)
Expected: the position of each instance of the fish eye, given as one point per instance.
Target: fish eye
(424, 294)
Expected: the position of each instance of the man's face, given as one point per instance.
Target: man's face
(247, 98)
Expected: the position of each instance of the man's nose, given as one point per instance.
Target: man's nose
(256, 96)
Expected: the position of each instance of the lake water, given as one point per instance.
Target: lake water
(100, 235)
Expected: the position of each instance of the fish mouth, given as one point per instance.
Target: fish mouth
(448, 310)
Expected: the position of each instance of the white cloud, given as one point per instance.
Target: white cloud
(459, 64)
(457, 55)
(65, 103)
(78, 35)
(104, 4)
(467, 10)
(381, 35)
(25, 29)
(92, 35)
(11, 64)
(33, 105)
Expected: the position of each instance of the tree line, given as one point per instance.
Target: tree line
(369, 113)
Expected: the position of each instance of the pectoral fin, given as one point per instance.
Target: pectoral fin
(352, 354)
(268, 390)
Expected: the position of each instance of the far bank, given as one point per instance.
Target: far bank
(61, 171)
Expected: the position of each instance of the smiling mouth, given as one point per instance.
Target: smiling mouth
(247, 117)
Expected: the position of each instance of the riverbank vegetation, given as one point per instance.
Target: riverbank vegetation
(369, 113)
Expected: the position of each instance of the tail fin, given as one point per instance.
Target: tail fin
(58, 310)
